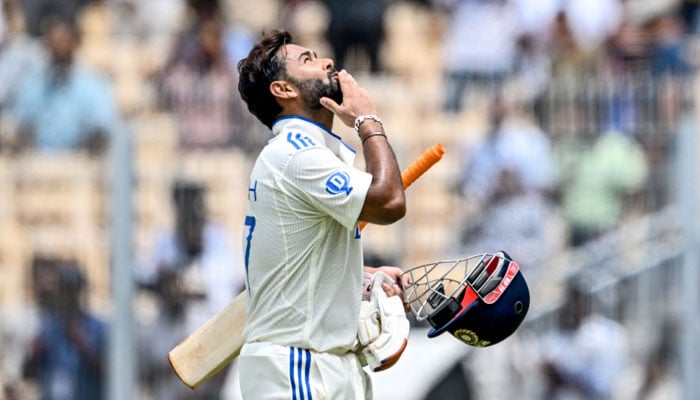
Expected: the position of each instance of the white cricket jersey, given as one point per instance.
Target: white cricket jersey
(301, 241)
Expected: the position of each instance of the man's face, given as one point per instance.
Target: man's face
(61, 43)
(190, 224)
(210, 38)
(314, 77)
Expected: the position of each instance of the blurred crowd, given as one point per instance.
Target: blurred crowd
(566, 113)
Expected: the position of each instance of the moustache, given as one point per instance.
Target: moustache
(332, 73)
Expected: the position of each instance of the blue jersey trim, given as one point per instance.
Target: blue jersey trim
(318, 125)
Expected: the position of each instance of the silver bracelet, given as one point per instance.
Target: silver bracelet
(362, 118)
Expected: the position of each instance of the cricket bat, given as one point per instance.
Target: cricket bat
(216, 343)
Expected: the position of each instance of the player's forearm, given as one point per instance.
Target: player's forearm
(385, 202)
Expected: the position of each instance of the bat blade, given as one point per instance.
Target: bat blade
(216, 343)
(212, 346)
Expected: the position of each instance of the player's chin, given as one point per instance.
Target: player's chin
(336, 94)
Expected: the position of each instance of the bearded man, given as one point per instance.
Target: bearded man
(302, 245)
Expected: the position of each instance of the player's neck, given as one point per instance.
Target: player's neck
(322, 117)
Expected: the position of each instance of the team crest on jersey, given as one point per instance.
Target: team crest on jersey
(338, 183)
(470, 338)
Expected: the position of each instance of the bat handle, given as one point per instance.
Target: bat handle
(418, 167)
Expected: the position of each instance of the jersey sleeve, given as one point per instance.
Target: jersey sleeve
(334, 187)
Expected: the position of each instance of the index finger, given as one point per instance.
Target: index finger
(344, 78)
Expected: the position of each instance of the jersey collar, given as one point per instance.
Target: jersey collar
(329, 139)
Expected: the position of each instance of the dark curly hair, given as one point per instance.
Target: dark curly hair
(258, 71)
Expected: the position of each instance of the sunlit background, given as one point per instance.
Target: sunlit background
(570, 129)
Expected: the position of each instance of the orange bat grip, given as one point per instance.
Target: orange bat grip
(418, 167)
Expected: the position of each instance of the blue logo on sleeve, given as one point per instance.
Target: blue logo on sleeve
(338, 183)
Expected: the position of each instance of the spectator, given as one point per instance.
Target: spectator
(156, 338)
(209, 273)
(598, 175)
(287, 13)
(668, 46)
(516, 220)
(36, 11)
(533, 64)
(67, 357)
(201, 251)
(513, 140)
(585, 37)
(20, 56)
(570, 61)
(19, 324)
(235, 38)
(659, 378)
(627, 70)
(65, 106)
(586, 354)
(689, 14)
(359, 27)
(515, 358)
(200, 88)
(593, 22)
(134, 18)
(480, 46)
(628, 52)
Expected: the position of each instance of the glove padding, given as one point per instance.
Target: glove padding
(383, 327)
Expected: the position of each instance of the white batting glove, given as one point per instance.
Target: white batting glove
(383, 327)
(369, 327)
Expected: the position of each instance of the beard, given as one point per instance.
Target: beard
(313, 89)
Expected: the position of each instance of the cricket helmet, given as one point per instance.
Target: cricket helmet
(480, 300)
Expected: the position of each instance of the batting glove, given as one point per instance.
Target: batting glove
(383, 327)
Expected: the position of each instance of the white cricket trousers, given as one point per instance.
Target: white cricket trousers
(273, 372)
